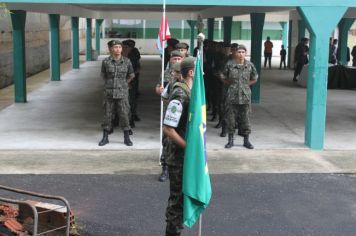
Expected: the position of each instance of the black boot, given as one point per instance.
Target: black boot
(219, 124)
(164, 175)
(105, 139)
(127, 140)
(247, 143)
(130, 132)
(230, 142)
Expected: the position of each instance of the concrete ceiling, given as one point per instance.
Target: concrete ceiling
(146, 11)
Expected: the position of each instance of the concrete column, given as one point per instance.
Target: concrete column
(88, 40)
(75, 42)
(289, 49)
(103, 27)
(344, 27)
(301, 29)
(182, 30)
(320, 22)
(219, 29)
(227, 28)
(284, 33)
(211, 28)
(192, 24)
(257, 22)
(144, 29)
(55, 59)
(18, 20)
(98, 23)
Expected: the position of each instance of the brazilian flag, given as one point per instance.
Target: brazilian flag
(196, 180)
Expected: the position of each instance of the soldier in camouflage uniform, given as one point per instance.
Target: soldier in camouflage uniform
(170, 77)
(175, 123)
(117, 73)
(239, 74)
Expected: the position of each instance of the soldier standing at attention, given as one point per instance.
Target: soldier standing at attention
(171, 76)
(239, 74)
(117, 73)
(175, 123)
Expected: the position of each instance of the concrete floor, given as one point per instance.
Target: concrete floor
(67, 115)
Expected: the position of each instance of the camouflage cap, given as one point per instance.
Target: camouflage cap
(181, 45)
(176, 53)
(241, 46)
(187, 63)
(111, 43)
(176, 66)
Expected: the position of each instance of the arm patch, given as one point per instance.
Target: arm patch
(173, 113)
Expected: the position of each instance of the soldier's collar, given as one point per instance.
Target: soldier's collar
(113, 59)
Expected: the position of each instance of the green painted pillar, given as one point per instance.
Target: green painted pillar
(320, 22)
(257, 22)
(192, 24)
(289, 49)
(75, 42)
(211, 28)
(55, 59)
(88, 40)
(284, 34)
(344, 27)
(227, 28)
(301, 29)
(98, 23)
(18, 20)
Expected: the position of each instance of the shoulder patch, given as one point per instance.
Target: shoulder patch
(173, 113)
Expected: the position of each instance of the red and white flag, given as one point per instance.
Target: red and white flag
(163, 34)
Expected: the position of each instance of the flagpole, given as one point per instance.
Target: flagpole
(199, 225)
(162, 78)
(201, 38)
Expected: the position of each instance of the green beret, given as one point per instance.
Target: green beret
(241, 46)
(181, 45)
(114, 42)
(176, 53)
(176, 66)
(187, 63)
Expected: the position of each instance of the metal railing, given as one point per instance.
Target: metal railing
(35, 212)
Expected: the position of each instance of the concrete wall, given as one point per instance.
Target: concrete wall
(37, 44)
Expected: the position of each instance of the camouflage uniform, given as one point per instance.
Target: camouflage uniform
(115, 74)
(168, 80)
(238, 99)
(174, 212)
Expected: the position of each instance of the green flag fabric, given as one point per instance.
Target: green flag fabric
(196, 180)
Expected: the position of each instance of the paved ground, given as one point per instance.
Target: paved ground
(67, 115)
(242, 204)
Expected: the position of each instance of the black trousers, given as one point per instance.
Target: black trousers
(298, 69)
